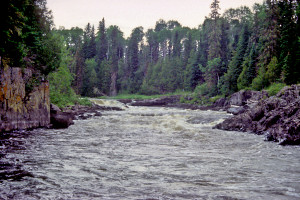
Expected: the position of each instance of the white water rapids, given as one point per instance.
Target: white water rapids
(149, 153)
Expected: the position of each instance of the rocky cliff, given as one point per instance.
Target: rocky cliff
(24, 101)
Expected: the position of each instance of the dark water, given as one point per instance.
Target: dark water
(147, 153)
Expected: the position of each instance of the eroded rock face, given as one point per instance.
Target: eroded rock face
(277, 117)
(20, 109)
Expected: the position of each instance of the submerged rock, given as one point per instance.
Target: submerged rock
(277, 117)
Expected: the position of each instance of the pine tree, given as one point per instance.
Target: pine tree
(192, 73)
(114, 60)
(234, 68)
(188, 46)
(214, 37)
(86, 41)
(176, 44)
(102, 44)
(268, 37)
(115, 53)
(92, 43)
(133, 53)
(249, 70)
(288, 42)
(79, 70)
(153, 45)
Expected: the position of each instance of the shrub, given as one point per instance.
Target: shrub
(275, 88)
(201, 90)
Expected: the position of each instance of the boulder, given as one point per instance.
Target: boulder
(54, 109)
(222, 102)
(236, 110)
(60, 119)
(244, 97)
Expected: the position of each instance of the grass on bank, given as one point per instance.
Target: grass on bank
(143, 97)
(275, 88)
(62, 100)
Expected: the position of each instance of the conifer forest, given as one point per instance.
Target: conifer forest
(243, 48)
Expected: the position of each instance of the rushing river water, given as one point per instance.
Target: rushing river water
(147, 153)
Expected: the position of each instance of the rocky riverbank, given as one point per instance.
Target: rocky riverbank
(63, 118)
(277, 117)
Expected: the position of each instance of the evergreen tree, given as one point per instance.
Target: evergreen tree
(188, 46)
(133, 53)
(79, 70)
(288, 42)
(102, 44)
(89, 87)
(192, 74)
(212, 75)
(234, 68)
(214, 37)
(92, 43)
(269, 35)
(153, 45)
(176, 44)
(115, 53)
(86, 41)
(89, 44)
(249, 70)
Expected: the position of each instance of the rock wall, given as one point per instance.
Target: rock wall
(21, 109)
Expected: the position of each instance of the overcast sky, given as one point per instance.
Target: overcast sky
(128, 14)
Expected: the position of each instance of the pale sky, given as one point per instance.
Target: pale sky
(128, 14)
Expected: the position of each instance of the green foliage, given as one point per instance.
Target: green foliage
(273, 72)
(102, 43)
(25, 36)
(274, 88)
(83, 101)
(192, 74)
(215, 98)
(234, 68)
(90, 79)
(141, 96)
(60, 81)
(212, 75)
(288, 41)
(248, 73)
(164, 77)
(61, 92)
(261, 81)
(202, 90)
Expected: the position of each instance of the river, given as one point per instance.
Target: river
(147, 153)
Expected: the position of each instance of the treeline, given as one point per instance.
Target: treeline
(240, 49)
(243, 48)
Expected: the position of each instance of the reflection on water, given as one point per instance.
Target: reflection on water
(147, 153)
